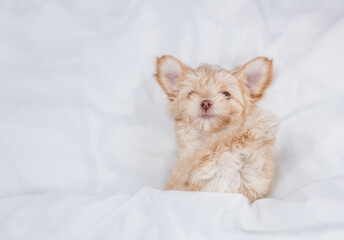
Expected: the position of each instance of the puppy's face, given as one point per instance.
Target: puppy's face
(210, 98)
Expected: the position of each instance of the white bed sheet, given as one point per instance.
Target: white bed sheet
(86, 144)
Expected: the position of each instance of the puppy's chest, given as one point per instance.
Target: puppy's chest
(221, 165)
(225, 170)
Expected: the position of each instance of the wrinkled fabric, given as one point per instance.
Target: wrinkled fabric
(87, 144)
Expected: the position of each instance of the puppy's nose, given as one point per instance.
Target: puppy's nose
(206, 104)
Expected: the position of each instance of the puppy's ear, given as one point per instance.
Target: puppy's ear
(257, 75)
(168, 71)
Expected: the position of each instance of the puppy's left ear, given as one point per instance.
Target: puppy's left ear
(168, 72)
(257, 75)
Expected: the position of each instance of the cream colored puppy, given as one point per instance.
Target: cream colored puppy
(225, 141)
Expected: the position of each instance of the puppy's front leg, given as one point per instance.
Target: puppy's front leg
(206, 166)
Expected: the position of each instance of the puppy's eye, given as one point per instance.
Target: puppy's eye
(228, 96)
(190, 93)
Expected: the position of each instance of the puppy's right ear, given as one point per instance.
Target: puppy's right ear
(168, 71)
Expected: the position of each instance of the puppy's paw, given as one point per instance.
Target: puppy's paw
(209, 164)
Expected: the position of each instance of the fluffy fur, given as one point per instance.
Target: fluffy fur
(226, 146)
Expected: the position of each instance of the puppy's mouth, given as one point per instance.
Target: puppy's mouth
(207, 116)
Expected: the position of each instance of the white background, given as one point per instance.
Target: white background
(82, 118)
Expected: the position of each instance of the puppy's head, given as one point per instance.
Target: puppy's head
(209, 97)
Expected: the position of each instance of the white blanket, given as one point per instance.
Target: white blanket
(86, 144)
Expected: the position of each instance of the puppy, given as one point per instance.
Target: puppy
(225, 141)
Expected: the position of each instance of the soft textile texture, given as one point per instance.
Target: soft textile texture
(83, 124)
